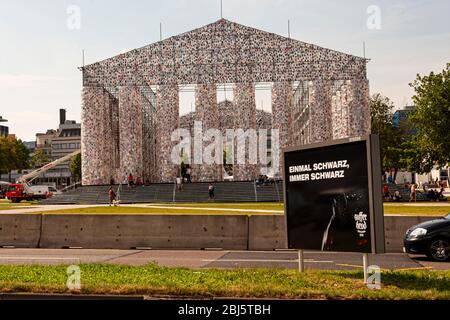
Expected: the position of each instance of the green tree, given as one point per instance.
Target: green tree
(392, 138)
(431, 144)
(39, 159)
(75, 166)
(21, 155)
(14, 155)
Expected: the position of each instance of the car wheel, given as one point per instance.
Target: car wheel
(439, 249)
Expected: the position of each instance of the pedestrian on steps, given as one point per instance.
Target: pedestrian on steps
(112, 196)
(211, 191)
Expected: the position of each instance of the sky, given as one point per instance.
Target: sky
(41, 43)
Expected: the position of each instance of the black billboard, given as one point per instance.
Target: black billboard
(333, 196)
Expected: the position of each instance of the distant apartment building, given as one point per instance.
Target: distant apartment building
(4, 130)
(57, 144)
(400, 120)
(31, 146)
(44, 142)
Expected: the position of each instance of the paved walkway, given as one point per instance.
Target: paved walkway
(215, 209)
(198, 259)
(40, 208)
(49, 208)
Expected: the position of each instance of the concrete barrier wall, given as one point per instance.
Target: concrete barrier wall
(258, 232)
(154, 231)
(268, 232)
(20, 230)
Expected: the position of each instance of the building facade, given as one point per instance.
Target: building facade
(131, 101)
(57, 144)
(4, 130)
(44, 142)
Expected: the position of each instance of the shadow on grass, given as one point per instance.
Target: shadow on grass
(409, 280)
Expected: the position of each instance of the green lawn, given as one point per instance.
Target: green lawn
(124, 209)
(7, 205)
(138, 210)
(248, 283)
(240, 205)
(416, 211)
(389, 208)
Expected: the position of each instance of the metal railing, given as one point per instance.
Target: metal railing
(71, 187)
(278, 192)
(256, 192)
(174, 191)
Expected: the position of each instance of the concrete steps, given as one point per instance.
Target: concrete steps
(405, 192)
(166, 193)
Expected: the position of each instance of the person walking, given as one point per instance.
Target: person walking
(130, 180)
(179, 183)
(112, 196)
(188, 174)
(211, 191)
(387, 194)
(397, 196)
(413, 193)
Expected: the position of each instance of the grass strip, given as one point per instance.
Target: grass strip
(389, 208)
(416, 211)
(249, 283)
(155, 211)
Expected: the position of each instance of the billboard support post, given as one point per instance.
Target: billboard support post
(365, 266)
(301, 261)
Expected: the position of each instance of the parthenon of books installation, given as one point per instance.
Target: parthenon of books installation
(131, 101)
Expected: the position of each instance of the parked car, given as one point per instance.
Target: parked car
(3, 189)
(431, 238)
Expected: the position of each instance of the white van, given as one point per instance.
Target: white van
(41, 190)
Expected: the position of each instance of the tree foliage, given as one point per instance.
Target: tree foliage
(14, 155)
(392, 138)
(431, 145)
(39, 159)
(75, 166)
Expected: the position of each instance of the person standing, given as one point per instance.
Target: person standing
(179, 183)
(397, 196)
(211, 191)
(112, 196)
(130, 180)
(413, 194)
(387, 194)
(188, 174)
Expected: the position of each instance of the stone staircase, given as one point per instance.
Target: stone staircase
(404, 192)
(167, 193)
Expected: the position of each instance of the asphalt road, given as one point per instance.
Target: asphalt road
(216, 259)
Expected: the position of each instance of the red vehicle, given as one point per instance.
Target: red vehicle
(19, 192)
(23, 190)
